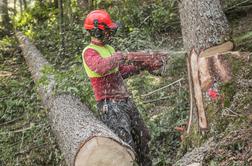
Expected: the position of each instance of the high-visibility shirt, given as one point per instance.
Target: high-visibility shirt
(105, 74)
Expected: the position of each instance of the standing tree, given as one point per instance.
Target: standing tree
(69, 11)
(15, 6)
(21, 6)
(61, 27)
(5, 15)
(56, 4)
(206, 34)
(25, 4)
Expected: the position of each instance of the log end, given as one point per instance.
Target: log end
(102, 151)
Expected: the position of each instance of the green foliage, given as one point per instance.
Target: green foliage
(143, 23)
(155, 18)
(23, 20)
(246, 36)
(229, 90)
(25, 136)
(244, 40)
(71, 81)
(35, 16)
(135, 40)
(162, 116)
(5, 44)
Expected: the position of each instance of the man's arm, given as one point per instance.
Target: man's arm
(140, 61)
(101, 65)
(128, 70)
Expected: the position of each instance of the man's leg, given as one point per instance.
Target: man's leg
(113, 114)
(124, 119)
(141, 136)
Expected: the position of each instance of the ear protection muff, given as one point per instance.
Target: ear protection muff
(98, 33)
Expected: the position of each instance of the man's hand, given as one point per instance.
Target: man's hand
(154, 61)
(148, 61)
(119, 57)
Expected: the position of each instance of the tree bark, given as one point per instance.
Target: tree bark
(196, 156)
(21, 6)
(204, 26)
(69, 11)
(25, 4)
(5, 14)
(61, 28)
(56, 4)
(15, 7)
(82, 138)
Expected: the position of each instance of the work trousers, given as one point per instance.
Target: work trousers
(123, 118)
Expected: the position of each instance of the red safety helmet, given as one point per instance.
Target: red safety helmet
(101, 18)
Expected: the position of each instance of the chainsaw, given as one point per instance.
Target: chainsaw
(154, 62)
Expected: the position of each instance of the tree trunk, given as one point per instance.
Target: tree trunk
(69, 11)
(204, 26)
(15, 6)
(82, 138)
(56, 4)
(5, 15)
(61, 28)
(196, 156)
(25, 4)
(21, 6)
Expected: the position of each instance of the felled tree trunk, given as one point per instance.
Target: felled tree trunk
(196, 156)
(204, 26)
(82, 138)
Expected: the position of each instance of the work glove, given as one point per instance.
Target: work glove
(156, 61)
(119, 57)
(156, 66)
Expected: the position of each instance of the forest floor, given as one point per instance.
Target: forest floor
(25, 135)
(26, 139)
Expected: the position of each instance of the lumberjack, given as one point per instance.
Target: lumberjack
(106, 70)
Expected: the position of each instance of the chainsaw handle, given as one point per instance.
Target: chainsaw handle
(153, 62)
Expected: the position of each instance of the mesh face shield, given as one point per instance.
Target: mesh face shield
(103, 35)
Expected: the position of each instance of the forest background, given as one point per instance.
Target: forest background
(56, 28)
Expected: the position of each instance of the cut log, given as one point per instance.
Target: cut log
(196, 155)
(83, 140)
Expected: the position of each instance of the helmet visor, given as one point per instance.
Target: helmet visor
(113, 26)
(111, 29)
